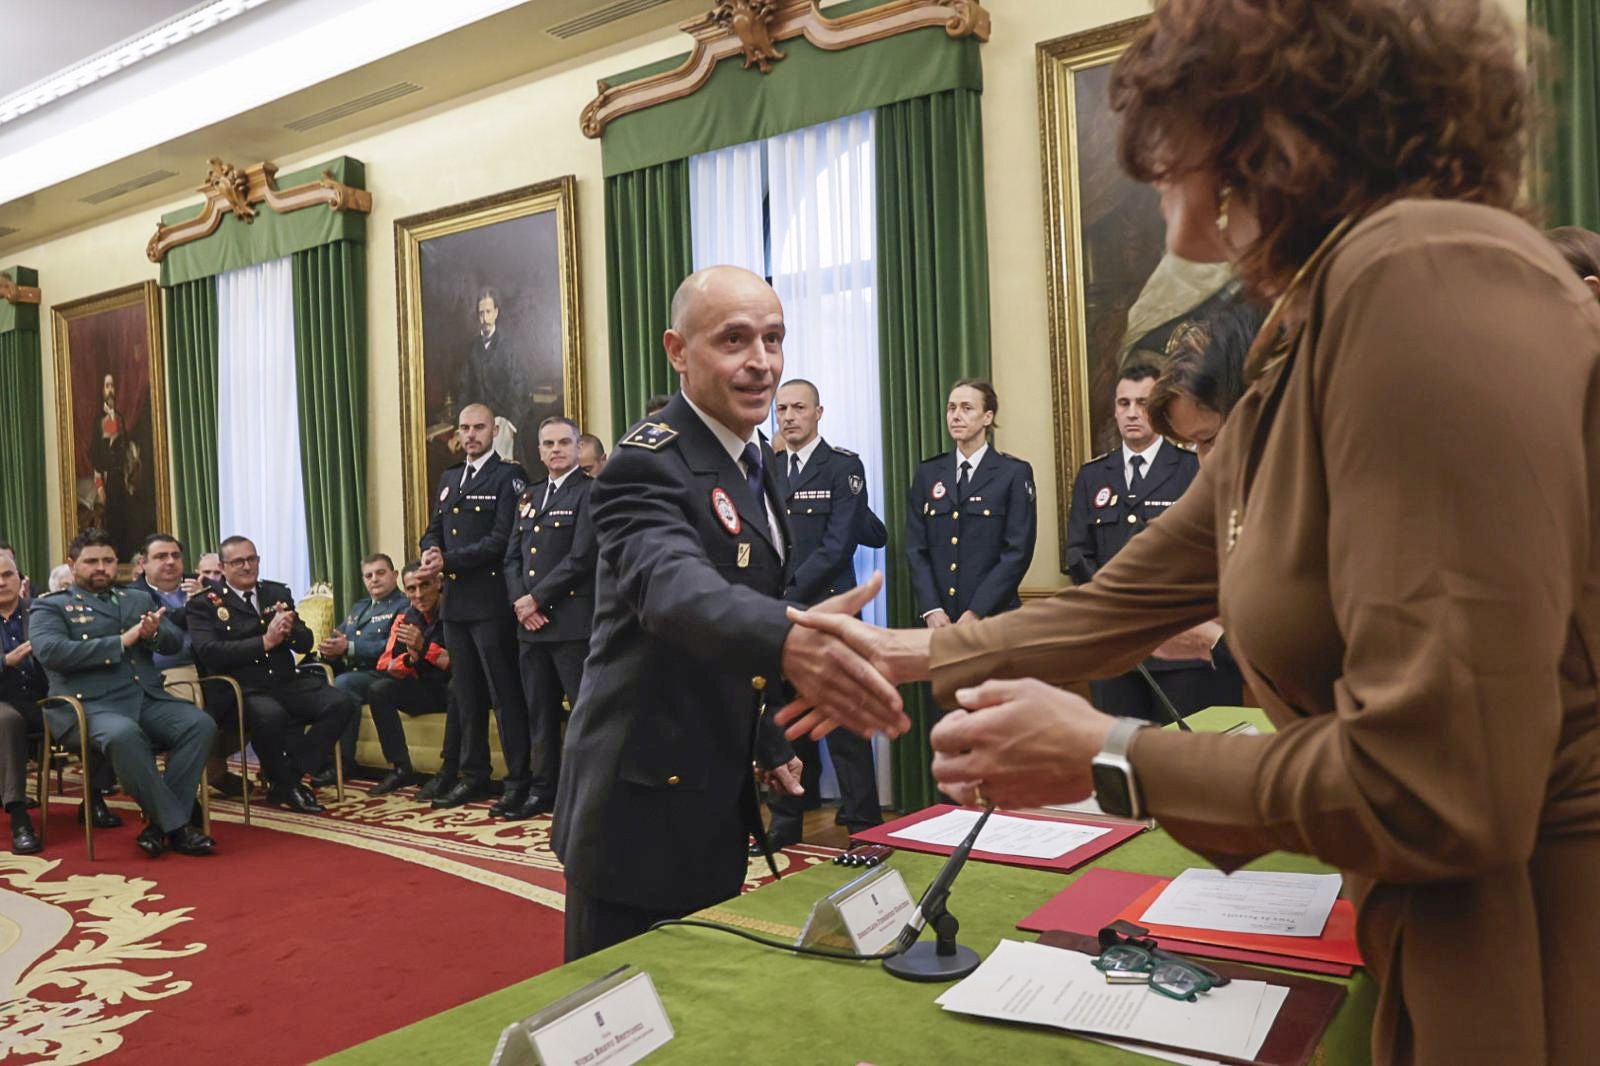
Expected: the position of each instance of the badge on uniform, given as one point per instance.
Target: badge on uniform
(1103, 497)
(727, 514)
(857, 483)
(443, 493)
(938, 490)
(222, 614)
(744, 555)
(1029, 486)
(517, 484)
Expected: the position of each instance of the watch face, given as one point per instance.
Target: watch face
(1111, 790)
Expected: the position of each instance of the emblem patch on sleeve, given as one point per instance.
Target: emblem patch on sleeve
(651, 435)
(857, 483)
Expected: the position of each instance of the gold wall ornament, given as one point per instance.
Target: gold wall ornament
(229, 190)
(753, 29)
(13, 293)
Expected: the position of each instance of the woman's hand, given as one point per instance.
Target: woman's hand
(1025, 743)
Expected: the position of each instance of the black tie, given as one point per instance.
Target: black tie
(794, 467)
(250, 601)
(467, 478)
(752, 471)
(1137, 463)
(550, 490)
(961, 481)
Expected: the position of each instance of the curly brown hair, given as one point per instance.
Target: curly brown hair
(1312, 110)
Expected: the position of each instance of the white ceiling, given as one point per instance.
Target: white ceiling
(45, 36)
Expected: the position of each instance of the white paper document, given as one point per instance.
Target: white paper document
(1247, 902)
(1004, 835)
(1042, 985)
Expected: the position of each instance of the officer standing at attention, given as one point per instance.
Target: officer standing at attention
(824, 492)
(355, 645)
(970, 517)
(248, 628)
(96, 642)
(1114, 496)
(549, 567)
(658, 800)
(475, 508)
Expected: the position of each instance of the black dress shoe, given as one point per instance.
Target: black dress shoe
(104, 817)
(437, 786)
(296, 798)
(190, 841)
(510, 802)
(532, 808)
(462, 792)
(24, 841)
(230, 785)
(151, 841)
(325, 778)
(396, 778)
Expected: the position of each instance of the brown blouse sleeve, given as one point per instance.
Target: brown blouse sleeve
(1449, 382)
(1161, 583)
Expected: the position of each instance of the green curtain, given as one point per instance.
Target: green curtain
(330, 345)
(24, 505)
(192, 413)
(933, 296)
(649, 250)
(1568, 164)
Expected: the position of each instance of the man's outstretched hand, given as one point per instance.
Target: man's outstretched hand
(833, 681)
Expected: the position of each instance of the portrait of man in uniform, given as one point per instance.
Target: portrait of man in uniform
(113, 437)
(488, 292)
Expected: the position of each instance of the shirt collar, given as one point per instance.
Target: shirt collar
(244, 594)
(808, 451)
(557, 482)
(475, 466)
(975, 458)
(730, 441)
(1149, 454)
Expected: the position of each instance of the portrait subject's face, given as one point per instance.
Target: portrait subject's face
(488, 315)
(108, 391)
(729, 351)
(558, 448)
(95, 568)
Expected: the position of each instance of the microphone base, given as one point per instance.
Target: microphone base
(924, 963)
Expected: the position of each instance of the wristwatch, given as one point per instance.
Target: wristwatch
(1114, 786)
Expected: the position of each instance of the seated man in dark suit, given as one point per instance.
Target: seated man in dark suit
(249, 629)
(415, 678)
(96, 643)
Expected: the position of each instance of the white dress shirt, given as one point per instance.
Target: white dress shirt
(1149, 455)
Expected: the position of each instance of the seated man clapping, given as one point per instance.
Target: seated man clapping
(416, 669)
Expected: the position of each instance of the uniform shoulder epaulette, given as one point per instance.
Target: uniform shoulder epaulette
(844, 451)
(651, 435)
(55, 594)
(936, 458)
(1097, 458)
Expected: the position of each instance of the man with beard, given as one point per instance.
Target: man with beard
(115, 459)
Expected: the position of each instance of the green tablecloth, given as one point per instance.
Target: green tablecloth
(731, 1001)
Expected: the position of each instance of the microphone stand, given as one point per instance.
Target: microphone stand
(943, 960)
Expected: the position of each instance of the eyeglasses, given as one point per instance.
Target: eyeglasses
(242, 561)
(1130, 959)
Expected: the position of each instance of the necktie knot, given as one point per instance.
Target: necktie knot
(794, 465)
(751, 457)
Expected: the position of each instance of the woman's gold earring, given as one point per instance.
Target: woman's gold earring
(1223, 194)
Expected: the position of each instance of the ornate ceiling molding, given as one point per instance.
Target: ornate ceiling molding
(753, 29)
(229, 190)
(13, 293)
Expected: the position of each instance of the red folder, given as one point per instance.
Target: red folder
(1114, 835)
(1336, 944)
(1101, 896)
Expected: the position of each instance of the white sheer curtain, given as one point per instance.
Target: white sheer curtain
(727, 217)
(258, 421)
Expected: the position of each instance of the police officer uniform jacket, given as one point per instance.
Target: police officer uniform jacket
(688, 637)
(970, 555)
(551, 555)
(1103, 517)
(367, 628)
(228, 636)
(472, 528)
(828, 514)
(77, 638)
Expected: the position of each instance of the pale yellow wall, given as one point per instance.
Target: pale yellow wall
(527, 131)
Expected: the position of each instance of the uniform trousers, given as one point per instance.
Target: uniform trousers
(858, 785)
(550, 670)
(359, 684)
(19, 718)
(388, 696)
(483, 673)
(130, 740)
(594, 924)
(294, 726)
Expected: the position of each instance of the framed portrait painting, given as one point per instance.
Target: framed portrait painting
(111, 414)
(1116, 296)
(489, 313)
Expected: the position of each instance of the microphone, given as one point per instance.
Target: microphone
(944, 960)
(1082, 570)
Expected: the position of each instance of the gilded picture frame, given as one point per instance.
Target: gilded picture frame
(489, 311)
(111, 417)
(1113, 294)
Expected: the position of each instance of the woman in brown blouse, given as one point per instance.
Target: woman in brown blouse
(1400, 525)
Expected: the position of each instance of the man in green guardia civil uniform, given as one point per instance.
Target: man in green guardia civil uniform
(96, 642)
(356, 644)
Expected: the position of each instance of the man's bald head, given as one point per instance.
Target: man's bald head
(726, 343)
(709, 282)
(475, 428)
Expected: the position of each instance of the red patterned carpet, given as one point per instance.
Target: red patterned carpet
(305, 934)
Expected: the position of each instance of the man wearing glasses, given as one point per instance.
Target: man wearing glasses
(248, 628)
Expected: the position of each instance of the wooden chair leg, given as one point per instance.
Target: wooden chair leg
(44, 784)
(338, 772)
(88, 783)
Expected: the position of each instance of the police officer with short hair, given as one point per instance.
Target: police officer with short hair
(549, 569)
(824, 493)
(474, 510)
(1114, 497)
(971, 517)
(355, 645)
